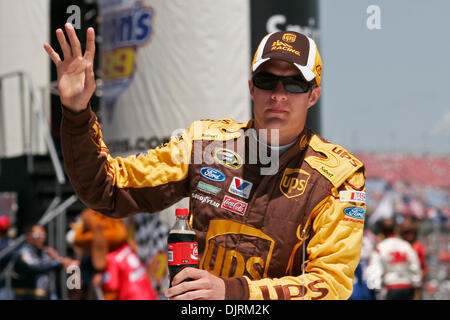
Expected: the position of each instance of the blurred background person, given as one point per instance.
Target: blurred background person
(33, 263)
(5, 241)
(409, 232)
(125, 277)
(394, 265)
(91, 236)
(109, 266)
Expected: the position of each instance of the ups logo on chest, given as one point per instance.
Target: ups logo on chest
(294, 182)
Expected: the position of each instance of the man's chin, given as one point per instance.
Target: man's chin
(274, 123)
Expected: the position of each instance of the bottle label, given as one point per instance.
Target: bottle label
(179, 253)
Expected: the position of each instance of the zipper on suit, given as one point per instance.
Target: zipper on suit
(303, 263)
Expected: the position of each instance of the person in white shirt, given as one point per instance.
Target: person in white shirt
(394, 266)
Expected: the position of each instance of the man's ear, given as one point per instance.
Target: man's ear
(314, 96)
(251, 88)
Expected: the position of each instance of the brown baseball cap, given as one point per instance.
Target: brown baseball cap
(292, 47)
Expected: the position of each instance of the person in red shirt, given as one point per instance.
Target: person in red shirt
(125, 277)
(116, 268)
(408, 231)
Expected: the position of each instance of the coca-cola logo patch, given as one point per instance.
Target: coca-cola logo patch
(234, 205)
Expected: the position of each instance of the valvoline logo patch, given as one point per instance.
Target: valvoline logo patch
(354, 212)
(240, 187)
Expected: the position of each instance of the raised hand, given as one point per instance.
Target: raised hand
(76, 80)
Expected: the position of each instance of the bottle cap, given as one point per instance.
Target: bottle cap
(181, 212)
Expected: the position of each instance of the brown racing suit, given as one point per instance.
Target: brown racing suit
(287, 235)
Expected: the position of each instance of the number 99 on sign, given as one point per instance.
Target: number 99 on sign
(118, 63)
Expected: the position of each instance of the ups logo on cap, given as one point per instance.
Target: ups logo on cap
(289, 37)
(293, 183)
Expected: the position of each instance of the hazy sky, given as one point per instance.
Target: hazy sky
(386, 89)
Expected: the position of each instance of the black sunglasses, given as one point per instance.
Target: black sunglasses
(292, 84)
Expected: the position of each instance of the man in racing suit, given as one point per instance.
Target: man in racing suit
(290, 229)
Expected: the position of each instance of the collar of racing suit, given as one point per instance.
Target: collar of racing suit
(280, 149)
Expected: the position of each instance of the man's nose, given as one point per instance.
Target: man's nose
(279, 93)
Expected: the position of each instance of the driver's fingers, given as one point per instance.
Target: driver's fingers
(63, 44)
(90, 45)
(74, 42)
(53, 55)
(201, 294)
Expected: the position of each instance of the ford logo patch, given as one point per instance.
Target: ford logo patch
(212, 174)
(354, 212)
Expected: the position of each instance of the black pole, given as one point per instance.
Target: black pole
(60, 13)
(293, 15)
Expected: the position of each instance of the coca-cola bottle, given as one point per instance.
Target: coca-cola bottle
(182, 248)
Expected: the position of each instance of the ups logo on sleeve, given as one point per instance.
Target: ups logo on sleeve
(293, 183)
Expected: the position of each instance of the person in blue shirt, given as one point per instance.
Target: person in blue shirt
(32, 266)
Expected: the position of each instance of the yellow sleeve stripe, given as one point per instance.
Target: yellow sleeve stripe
(165, 164)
